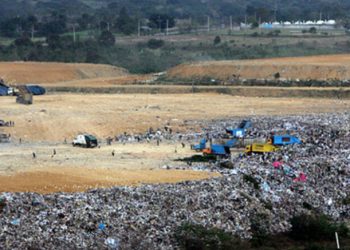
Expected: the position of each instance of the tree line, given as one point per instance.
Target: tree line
(59, 23)
(128, 17)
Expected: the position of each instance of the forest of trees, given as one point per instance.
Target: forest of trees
(51, 30)
(44, 18)
(57, 17)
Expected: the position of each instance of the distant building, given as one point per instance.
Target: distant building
(321, 24)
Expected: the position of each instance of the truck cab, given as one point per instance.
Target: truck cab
(281, 140)
(85, 140)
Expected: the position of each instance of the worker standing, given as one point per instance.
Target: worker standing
(53, 153)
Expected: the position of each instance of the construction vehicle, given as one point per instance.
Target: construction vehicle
(282, 140)
(272, 144)
(85, 140)
(260, 148)
(4, 123)
(215, 149)
(199, 147)
(240, 130)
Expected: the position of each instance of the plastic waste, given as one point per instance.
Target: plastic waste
(112, 243)
(16, 222)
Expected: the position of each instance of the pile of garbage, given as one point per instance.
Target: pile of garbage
(256, 191)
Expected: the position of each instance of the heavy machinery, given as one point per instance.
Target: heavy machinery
(272, 144)
(282, 140)
(199, 147)
(240, 130)
(85, 140)
(260, 148)
(4, 123)
(215, 149)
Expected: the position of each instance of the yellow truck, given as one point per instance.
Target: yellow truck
(260, 148)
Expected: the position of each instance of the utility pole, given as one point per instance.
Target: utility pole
(160, 24)
(108, 26)
(74, 37)
(139, 28)
(275, 10)
(320, 15)
(167, 27)
(190, 21)
(208, 24)
(32, 31)
(231, 26)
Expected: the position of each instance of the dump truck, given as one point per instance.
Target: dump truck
(215, 149)
(199, 147)
(260, 148)
(218, 150)
(282, 140)
(240, 130)
(85, 140)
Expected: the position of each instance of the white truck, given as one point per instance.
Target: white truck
(85, 140)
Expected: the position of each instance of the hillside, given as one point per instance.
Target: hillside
(36, 72)
(303, 68)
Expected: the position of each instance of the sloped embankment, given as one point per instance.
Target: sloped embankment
(45, 72)
(321, 68)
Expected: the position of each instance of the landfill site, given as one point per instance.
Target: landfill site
(98, 170)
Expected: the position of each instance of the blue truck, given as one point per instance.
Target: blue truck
(215, 149)
(240, 130)
(282, 140)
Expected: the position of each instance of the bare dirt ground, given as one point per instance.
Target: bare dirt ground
(59, 116)
(37, 72)
(44, 125)
(103, 82)
(303, 68)
(76, 169)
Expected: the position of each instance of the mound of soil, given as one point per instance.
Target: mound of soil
(328, 67)
(43, 72)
